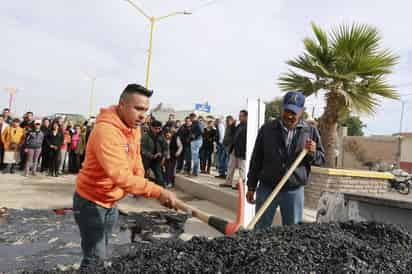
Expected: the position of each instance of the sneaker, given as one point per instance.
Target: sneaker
(220, 177)
(225, 185)
(26, 174)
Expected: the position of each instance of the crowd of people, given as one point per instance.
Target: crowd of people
(193, 147)
(55, 146)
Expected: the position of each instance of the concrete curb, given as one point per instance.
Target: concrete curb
(227, 198)
(208, 192)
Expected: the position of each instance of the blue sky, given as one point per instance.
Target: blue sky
(223, 53)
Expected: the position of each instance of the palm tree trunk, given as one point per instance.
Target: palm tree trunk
(328, 129)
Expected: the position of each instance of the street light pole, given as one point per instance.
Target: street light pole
(12, 92)
(91, 97)
(152, 21)
(402, 113)
(400, 135)
(93, 80)
(149, 52)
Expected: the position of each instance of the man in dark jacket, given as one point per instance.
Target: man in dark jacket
(152, 151)
(277, 146)
(185, 158)
(237, 151)
(209, 138)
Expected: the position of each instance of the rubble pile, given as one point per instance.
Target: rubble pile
(308, 248)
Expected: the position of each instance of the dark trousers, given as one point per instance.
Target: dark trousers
(74, 162)
(1, 157)
(23, 158)
(95, 224)
(180, 162)
(170, 170)
(206, 158)
(54, 161)
(155, 166)
(187, 158)
(45, 155)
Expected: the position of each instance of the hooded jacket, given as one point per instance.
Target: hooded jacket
(113, 166)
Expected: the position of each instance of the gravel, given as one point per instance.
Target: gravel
(35, 238)
(307, 248)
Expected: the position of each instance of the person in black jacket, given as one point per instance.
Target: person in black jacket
(54, 141)
(153, 150)
(184, 161)
(277, 145)
(209, 137)
(174, 149)
(237, 151)
(45, 151)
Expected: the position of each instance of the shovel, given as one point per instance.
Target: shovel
(224, 226)
(278, 187)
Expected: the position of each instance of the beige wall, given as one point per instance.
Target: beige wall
(357, 150)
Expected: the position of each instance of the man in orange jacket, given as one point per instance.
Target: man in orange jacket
(112, 169)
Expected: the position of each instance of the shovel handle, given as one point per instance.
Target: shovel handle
(275, 192)
(197, 213)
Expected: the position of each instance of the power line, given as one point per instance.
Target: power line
(204, 5)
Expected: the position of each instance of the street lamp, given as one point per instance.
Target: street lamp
(152, 21)
(93, 79)
(12, 93)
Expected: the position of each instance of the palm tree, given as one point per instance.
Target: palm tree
(349, 65)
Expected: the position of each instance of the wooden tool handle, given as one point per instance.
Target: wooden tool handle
(197, 213)
(275, 192)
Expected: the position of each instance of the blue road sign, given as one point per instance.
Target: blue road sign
(203, 107)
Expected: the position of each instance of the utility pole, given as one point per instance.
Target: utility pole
(91, 98)
(152, 21)
(402, 113)
(12, 93)
(400, 135)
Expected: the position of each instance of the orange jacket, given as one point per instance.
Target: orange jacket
(113, 166)
(12, 135)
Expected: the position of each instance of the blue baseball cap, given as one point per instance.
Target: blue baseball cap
(294, 101)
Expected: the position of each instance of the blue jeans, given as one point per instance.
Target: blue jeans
(195, 147)
(222, 158)
(96, 224)
(290, 202)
